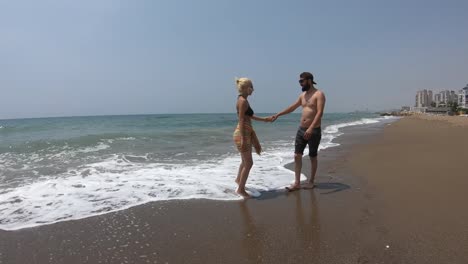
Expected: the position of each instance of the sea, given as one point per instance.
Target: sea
(64, 168)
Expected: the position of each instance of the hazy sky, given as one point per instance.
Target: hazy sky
(62, 58)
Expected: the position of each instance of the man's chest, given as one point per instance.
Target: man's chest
(308, 101)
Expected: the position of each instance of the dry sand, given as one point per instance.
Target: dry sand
(418, 171)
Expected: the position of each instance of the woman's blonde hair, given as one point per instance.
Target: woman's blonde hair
(242, 84)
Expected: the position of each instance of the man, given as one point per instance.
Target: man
(312, 101)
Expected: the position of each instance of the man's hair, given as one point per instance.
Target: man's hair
(308, 75)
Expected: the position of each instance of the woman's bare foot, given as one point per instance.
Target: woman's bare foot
(243, 193)
(293, 187)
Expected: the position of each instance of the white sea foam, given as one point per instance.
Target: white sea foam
(125, 138)
(66, 152)
(117, 183)
(98, 147)
(111, 140)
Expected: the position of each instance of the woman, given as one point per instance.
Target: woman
(244, 135)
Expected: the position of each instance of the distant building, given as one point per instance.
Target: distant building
(438, 110)
(452, 97)
(405, 108)
(423, 98)
(445, 98)
(437, 99)
(463, 97)
(418, 109)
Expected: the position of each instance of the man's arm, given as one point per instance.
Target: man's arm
(318, 116)
(290, 109)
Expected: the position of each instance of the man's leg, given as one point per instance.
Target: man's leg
(313, 154)
(297, 173)
(314, 166)
(313, 171)
(297, 169)
(299, 147)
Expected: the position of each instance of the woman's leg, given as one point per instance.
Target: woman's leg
(244, 173)
(241, 167)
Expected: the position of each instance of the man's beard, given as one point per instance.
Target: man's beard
(306, 88)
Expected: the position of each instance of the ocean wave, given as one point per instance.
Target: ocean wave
(53, 156)
(121, 181)
(117, 183)
(333, 131)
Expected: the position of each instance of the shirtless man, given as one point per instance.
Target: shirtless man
(312, 101)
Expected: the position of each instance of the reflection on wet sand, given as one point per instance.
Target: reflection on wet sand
(307, 223)
(299, 227)
(251, 242)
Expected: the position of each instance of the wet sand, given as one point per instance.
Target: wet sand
(351, 217)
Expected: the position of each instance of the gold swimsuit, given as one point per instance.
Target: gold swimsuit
(250, 138)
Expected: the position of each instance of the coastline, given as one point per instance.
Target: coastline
(350, 217)
(416, 172)
(277, 228)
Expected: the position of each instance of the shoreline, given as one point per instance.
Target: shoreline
(351, 217)
(263, 163)
(416, 172)
(183, 231)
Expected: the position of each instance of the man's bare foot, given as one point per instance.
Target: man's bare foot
(244, 194)
(309, 185)
(294, 187)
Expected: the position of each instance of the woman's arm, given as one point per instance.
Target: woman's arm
(264, 119)
(242, 107)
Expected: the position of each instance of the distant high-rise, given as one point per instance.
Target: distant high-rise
(423, 98)
(446, 97)
(463, 97)
(437, 99)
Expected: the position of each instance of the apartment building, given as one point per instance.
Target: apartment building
(463, 97)
(423, 98)
(445, 98)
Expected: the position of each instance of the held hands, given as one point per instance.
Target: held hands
(271, 118)
(274, 117)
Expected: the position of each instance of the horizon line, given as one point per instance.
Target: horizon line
(200, 113)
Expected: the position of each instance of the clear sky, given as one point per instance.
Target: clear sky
(97, 57)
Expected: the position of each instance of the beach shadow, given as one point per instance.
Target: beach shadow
(266, 195)
(333, 187)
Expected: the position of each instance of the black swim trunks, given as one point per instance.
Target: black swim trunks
(314, 141)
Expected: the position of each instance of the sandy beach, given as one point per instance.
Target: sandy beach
(387, 195)
(418, 173)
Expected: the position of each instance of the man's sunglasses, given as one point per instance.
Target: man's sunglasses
(302, 80)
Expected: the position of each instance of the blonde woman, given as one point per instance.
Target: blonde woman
(244, 135)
